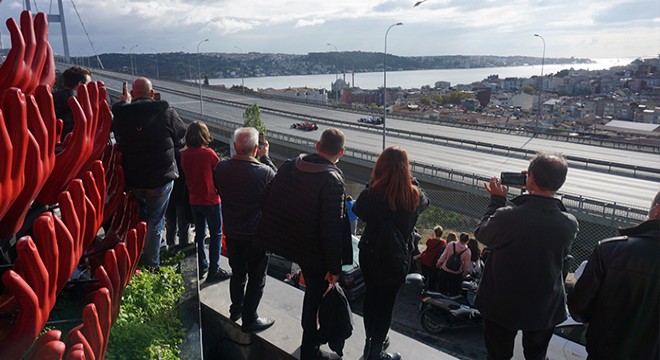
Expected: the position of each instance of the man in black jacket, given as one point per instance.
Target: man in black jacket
(618, 294)
(147, 131)
(304, 219)
(71, 78)
(522, 286)
(240, 181)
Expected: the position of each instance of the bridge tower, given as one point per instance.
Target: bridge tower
(57, 18)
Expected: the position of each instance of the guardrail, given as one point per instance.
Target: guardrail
(578, 203)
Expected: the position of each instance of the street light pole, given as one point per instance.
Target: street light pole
(130, 55)
(336, 74)
(242, 74)
(385, 83)
(199, 75)
(540, 89)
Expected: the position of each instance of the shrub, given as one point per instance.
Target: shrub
(148, 325)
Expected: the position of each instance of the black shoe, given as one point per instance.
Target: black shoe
(324, 355)
(202, 272)
(217, 276)
(234, 316)
(259, 324)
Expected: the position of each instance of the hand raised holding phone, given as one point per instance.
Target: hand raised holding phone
(125, 95)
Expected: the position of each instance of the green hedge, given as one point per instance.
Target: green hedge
(148, 325)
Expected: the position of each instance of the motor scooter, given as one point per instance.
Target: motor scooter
(439, 312)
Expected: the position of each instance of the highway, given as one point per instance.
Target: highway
(615, 188)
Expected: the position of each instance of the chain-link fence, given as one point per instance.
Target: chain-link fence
(458, 211)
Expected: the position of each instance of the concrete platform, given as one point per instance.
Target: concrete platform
(223, 339)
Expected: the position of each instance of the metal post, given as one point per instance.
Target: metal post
(385, 84)
(336, 74)
(540, 89)
(242, 74)
(199, 76)
(130, 55)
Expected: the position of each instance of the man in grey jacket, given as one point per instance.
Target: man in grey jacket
(240, 181)
(522, 287)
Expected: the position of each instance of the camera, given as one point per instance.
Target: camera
(513, 178)
(262, 140)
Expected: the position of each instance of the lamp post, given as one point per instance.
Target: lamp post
(130, 55)
(242, 74)
(336, 74)
(540, 89)
(199, 75)
(385, 83)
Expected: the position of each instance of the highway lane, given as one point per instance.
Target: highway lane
(511, 140)
(612, 188)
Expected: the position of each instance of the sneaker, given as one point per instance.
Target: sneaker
(217, 276)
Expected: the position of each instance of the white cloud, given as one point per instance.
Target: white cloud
(436, 27)
(312, 22)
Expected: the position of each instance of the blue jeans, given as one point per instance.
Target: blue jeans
(153, 203)
(211, 215)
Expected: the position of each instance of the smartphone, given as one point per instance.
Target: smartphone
(262, 140)
(513, 178)
(124, 89)
(157, 96)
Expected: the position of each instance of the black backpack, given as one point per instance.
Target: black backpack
(386, 254)
(454, 262)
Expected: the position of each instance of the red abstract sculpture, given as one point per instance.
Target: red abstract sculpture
(30, 61)
(13, 147)
(39, 160)
(87, 181)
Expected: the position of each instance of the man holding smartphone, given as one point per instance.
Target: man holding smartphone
(522, 286)
(147, 132)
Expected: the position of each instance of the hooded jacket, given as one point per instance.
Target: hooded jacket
(303, 214)
(618, 294)
(147, 131)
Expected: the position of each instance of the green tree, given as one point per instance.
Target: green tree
(425, 100)
(528, 89)
(252, 118)
(454, 97)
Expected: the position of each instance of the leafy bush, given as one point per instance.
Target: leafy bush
(148, 325)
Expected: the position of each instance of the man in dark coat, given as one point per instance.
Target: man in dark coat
(147, 131)
(71, 78)
(522, 286)
(240, 181)
(618, 294)
(304, 219)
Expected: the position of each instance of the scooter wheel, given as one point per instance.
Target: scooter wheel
(435, 322)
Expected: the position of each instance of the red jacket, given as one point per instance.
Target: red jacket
(430, 255)
(198, 165)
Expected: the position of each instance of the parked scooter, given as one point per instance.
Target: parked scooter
(439, 312)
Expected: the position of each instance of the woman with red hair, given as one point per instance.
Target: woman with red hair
(392, 203)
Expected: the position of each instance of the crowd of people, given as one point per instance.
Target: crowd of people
(302, 212)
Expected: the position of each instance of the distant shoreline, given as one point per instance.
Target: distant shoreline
(411, 79)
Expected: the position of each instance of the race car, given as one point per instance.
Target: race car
(305, 126)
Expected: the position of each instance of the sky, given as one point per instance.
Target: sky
(579, 28)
